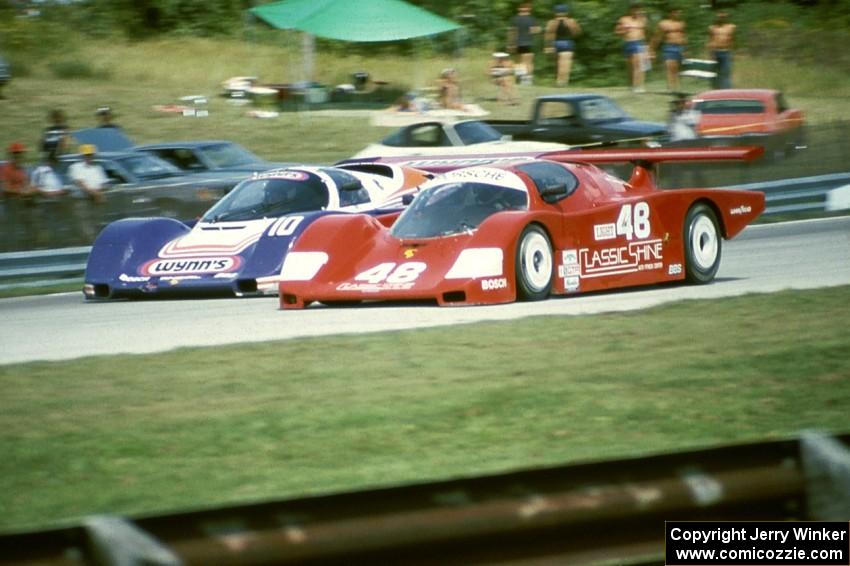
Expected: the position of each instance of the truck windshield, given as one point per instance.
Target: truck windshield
(453, 208)
(601, 110)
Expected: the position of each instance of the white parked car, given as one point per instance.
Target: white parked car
(441, 138)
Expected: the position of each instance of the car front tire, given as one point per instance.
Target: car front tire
(534, 264)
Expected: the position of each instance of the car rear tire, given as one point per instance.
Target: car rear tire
(534, 264)
(703, 244)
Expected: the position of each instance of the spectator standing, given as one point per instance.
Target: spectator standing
(89, 183)
(670, 33)
(521, 39)
(18, 196)
(104, 118)
(56, 136)
(5, 75)
(721, 40)
(682, 122)
(503, 74)
(50, 188)
(559, 38)
(632, 28)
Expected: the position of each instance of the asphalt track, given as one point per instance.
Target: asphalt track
(764, 258)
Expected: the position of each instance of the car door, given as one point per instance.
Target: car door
(558, 121)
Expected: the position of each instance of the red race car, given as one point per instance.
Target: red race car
(525, 230)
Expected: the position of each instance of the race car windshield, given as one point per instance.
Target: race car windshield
(455, 208)
(263, 198)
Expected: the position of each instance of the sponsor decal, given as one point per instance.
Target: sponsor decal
(569, 257)
(226, 275)
(570, 270)
(738, 210)
(635, 256)
(374, 287)
(605, 231)
(132, 278)
(494, 284)
(409, 253)
(286, 174)
(465, 161)
(186, 266)
(674, 269)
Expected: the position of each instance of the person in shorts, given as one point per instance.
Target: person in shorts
(559, 38)
(632, 28)
(670, 34)
(521, 39)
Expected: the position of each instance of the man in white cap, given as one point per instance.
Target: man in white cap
(89, 183)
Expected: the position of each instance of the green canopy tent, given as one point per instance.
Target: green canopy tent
(349, 20)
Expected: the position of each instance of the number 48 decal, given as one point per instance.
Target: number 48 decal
(634, 222)
(391, 272)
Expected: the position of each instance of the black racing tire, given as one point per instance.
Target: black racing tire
(534, 264)
(703, 244)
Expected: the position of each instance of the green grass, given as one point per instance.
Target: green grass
(133, 77)
(199, 427)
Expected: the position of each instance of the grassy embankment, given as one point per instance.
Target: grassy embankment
(198, 427)
(132, 77)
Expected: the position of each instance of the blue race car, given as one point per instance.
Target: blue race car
(238, 246)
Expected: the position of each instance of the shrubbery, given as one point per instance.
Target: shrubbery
(785, 29)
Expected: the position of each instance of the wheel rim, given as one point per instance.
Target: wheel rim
(704, 243)
(536, 261)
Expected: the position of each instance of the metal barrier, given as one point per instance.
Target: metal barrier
(611, 512)
(40, 268)
(17, 269)
(798, 195)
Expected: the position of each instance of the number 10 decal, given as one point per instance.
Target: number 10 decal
(634, 222)
(391, 272)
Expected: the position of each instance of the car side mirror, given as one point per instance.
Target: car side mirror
(407, 199)
(553, 193)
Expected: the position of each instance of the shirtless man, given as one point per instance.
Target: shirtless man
(721, 39)
(670, 33)
(632, 28)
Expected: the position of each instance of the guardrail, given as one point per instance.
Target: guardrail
(39, 268)
(611, 512)
(804, 194)
(17, 269)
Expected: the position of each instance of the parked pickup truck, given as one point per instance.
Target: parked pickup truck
(579, 119)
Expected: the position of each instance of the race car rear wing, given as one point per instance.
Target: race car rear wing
(645, 159)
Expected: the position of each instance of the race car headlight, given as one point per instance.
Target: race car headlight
(477, 262)
(302, 266)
